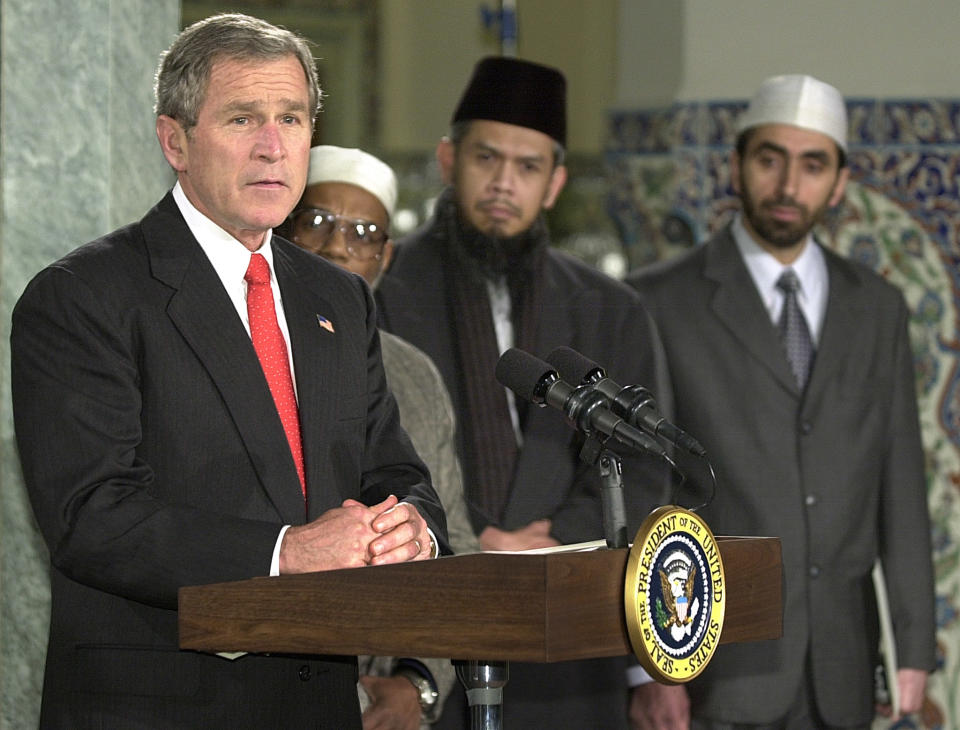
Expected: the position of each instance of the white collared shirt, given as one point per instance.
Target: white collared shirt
(810, 267)
(230, 260)
(500, 310)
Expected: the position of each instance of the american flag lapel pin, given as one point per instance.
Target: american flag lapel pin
(325, 323)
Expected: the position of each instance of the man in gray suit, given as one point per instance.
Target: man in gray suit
(344, 216)
(800, 386)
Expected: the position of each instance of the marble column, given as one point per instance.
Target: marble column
(78, 157)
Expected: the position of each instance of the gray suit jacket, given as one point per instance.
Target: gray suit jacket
(154, 458)
(427, 416)
(836, 473)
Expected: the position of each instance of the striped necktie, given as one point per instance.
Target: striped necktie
(794, 332)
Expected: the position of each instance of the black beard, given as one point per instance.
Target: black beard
(484, 257)
(779, 235)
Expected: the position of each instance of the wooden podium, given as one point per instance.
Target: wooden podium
(485, 606)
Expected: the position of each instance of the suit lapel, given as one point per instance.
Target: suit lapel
(544, 425)
(206, 318)
(841, 323)
(738, 306)
(413, 306)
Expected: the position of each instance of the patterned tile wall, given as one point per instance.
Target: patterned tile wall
(669, 188)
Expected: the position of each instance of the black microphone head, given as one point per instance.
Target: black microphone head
(524, 374)
(574, 367)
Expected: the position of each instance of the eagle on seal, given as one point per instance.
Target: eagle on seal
(682, 594)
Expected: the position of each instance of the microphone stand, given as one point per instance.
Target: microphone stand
(611, 492)
(484, 680)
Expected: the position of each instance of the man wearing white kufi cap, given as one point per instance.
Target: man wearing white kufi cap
(344, 216)
(793, 368)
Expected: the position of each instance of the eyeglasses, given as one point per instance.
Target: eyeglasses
(314, 228)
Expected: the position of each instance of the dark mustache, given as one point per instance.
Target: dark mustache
(785, 202)
(484, 204)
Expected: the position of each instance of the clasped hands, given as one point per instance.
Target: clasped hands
(353, 535)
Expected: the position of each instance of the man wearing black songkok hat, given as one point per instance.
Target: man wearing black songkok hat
(481, 277)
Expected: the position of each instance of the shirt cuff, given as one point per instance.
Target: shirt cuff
(275, 560)
(637, 675)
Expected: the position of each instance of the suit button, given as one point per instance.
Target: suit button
(814, 571)
(305, 673)
(810, 500)
(806, 427)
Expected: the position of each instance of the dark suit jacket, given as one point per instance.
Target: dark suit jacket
(582, 309)
(154, 458)
(604, 320)
(836, 473)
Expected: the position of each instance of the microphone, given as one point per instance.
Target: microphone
(586, 408)
(634, 402)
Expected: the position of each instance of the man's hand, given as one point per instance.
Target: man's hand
(655, 706)
(394, 704)
(339, 538)
(353, 535)
(402, 534)
(912, 684)
(534, 535)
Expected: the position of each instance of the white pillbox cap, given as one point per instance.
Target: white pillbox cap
(356, 167)
(801, 101)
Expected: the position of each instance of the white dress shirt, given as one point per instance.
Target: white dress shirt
(500, 310)
(810, 267)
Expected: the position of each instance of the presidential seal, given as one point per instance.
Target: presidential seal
(674, 594)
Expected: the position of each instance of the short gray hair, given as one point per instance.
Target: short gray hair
(184, 71)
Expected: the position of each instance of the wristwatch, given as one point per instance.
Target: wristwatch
(427, 693)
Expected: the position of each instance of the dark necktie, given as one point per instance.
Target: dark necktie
(793, 329)
(272, 350)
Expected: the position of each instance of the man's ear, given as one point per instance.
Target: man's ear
(446, 155)
(387, 256)
(173, 142)
(558, 178)
(840, 186)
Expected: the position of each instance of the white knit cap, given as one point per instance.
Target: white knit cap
(801, 101)
(356, 167)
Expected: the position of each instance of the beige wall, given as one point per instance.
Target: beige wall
(717, 50)
(642, 53)
(429, 47)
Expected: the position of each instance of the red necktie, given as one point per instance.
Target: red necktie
(272, 351)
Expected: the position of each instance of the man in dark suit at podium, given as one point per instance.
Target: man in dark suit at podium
(198, 401)
(793, 367)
